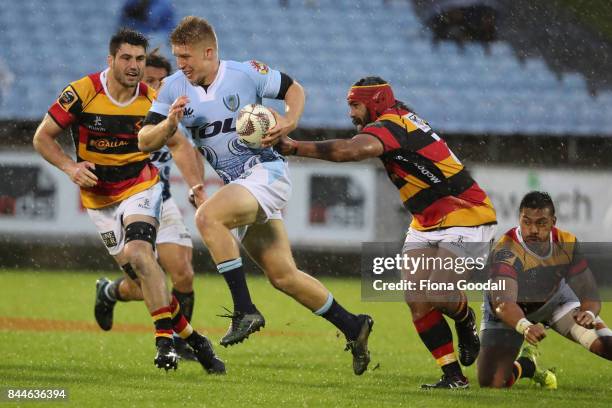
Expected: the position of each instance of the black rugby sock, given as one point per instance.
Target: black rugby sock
(186, 301)
(334, 313)
(233, 273)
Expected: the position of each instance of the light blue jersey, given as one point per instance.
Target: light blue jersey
(211, 114)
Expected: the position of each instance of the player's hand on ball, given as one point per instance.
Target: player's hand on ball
(175, 114)
(535, 333)
(197, 195)
(585, 318)
(283, 127)
(82, 175)
(286, 146)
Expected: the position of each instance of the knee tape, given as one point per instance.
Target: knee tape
(584, 336)
(141, 231)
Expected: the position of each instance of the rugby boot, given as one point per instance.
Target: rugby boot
(103, 310)
(546, 378)
(166, 356)
(205, 354)
(469, 343)
(242, 325)
(454, 382)
(359, 346)
(183, 350)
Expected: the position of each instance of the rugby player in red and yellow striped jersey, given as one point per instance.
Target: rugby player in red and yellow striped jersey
(541, 277)
(119, 186)
(446, 204)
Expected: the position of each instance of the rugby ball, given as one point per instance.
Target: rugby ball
(252, 124)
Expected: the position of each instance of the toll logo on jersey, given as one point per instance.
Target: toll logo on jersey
(260, 67)
(67, 99)
(211, 129)
(232, 102)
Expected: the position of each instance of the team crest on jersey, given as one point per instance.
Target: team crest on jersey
(232, 102)
(503, 255)
(67, 99)
(259, 67)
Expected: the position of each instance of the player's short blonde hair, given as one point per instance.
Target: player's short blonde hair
(193, 30)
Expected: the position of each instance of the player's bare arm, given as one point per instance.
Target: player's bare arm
(191, 168)
(359, 147)
(505, 307)
(585, 287)
(295, 99)
(45, 143)
(154, 137)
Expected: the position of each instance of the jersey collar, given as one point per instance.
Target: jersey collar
(519, 235)
(103, 78)
(212, 88)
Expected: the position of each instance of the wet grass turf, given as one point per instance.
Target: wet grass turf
(49, 340)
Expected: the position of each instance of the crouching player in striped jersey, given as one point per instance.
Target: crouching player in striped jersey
(452, 215)
(547, 282)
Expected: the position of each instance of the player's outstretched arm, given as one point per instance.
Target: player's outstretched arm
(359, 147)
(187, 159)
(508, 311)
(154, 137)
(45, 143)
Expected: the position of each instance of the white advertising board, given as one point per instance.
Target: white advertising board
(583, 199)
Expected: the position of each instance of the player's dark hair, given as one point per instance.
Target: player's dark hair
(154, 59)
(537, 200)
(376, 80)
(129, 36)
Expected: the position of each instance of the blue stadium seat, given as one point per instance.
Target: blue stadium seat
(317, 45)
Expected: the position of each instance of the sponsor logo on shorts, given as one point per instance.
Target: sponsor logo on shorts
(146, 204)
(109, 239)
(246, 174)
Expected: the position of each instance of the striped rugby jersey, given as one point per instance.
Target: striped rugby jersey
(433, 184)
(105, 132)
(538, 277)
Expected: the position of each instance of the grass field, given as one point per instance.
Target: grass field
(49, 339)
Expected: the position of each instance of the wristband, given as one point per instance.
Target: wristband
(591, 313)
(522, 325)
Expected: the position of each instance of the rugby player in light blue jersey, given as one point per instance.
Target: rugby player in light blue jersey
(205, 96)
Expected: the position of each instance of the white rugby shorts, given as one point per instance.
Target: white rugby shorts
(461, 241)
(270, 185)
(172, 229)
(108, 220)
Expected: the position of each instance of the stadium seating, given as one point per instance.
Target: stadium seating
(462, 90)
